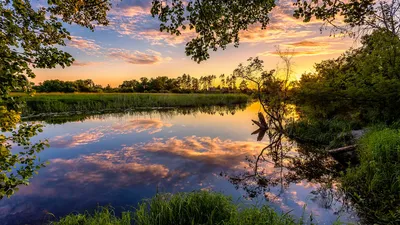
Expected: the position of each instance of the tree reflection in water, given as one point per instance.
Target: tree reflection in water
(290, 162)
(282, 161)
(164, 113)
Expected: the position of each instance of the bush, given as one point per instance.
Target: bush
(374, 185)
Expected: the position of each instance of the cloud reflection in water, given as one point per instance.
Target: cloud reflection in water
(93, 135)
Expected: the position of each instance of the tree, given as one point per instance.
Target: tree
(28, 39)
(361, 85)
(243, 86)
(222, 79)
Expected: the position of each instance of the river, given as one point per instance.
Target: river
(119, 159)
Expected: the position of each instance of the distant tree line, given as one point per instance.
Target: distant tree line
(161, 84)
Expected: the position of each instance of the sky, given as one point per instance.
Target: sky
(132, 46)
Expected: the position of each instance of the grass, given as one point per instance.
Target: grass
(374, 185)
(205, 208)
(86, 102)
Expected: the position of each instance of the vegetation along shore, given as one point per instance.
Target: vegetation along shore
(87, 102)
(182, 209)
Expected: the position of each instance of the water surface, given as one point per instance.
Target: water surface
(122, 158)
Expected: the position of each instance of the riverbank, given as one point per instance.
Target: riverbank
(87, 102)
(181, 209)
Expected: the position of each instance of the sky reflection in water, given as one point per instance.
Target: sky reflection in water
(119, 159)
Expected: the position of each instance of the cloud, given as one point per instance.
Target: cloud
(137, 57)
(156, 37)
(308, 44)
(130, 8)
(132, 57)
(141, 125)
(271, 35)
(95, 134)
(298, 53)
(109, 168)
(211, 151)
(81, 63)
(68, 141)
(86, 45)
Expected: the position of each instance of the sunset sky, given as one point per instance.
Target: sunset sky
(132, 47)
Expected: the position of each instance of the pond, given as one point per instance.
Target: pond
(119, 159)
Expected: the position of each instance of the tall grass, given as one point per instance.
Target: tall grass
(85, 102)
(374, 185)
(205, 208)
(102, 216)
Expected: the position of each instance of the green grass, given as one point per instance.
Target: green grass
(103, 216)
(205, 208)
(374, 185)
(85, 102)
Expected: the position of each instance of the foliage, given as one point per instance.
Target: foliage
(160, 84)
(68, 86)
(28, 39)
(374, 185)
(361, 85)
(184, 208)
(217, 23)
(58, 103)
(357, 15)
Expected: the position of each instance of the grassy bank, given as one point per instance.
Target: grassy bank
(85, 102)
(374, 185)
(181, 209)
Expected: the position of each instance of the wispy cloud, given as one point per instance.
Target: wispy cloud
(87, 45)
(90, 47)
(82, 63)
(298, 53)
(308, 44)
(141, 125)
(137, 57)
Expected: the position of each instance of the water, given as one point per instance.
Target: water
(120, 159)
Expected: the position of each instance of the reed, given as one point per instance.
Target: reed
(87, 102)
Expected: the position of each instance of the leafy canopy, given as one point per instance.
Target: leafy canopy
(29, 38)
(216, 22)
(357, 16)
